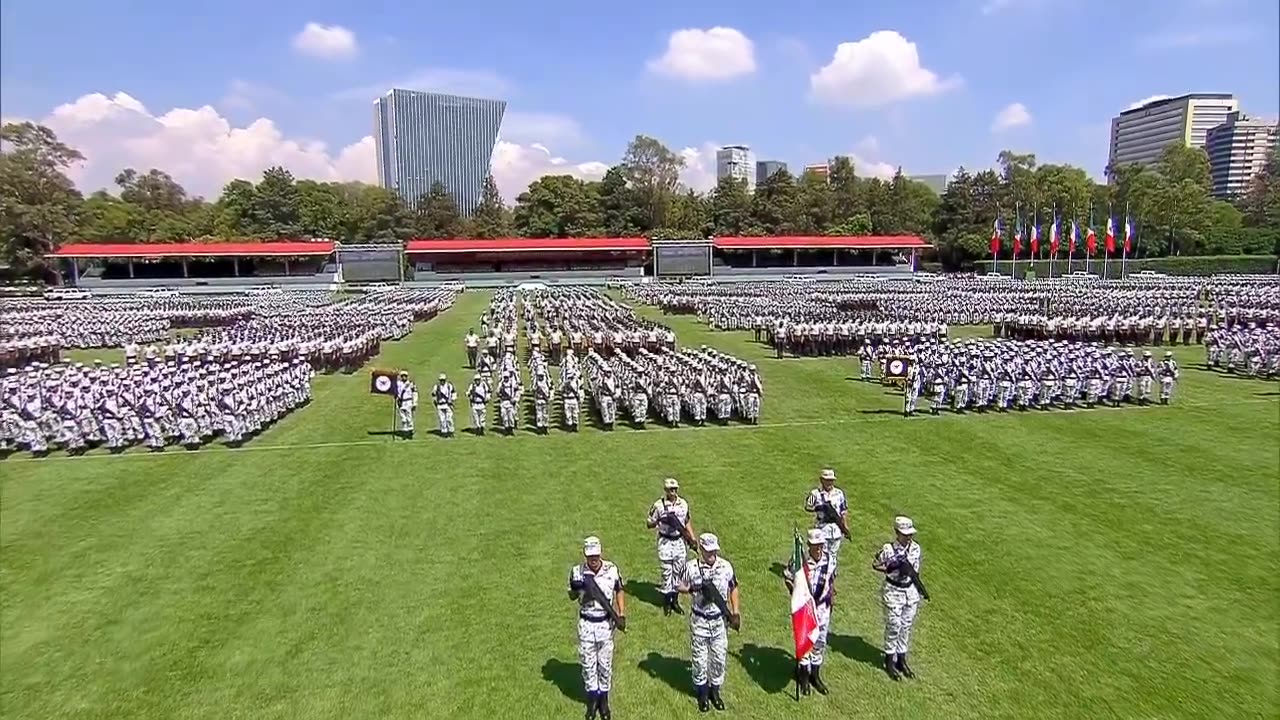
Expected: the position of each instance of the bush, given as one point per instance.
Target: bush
(1194, 265)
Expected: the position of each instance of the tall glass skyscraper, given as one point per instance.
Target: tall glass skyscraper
(422, 138)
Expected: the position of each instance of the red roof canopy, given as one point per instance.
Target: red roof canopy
(477, 245)
(153, 250)
(820, 242)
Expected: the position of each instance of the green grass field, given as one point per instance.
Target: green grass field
(1108, 563)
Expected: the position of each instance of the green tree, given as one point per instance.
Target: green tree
(38, 202)
(1262, 203)
(492, 218)
(322, 212)
(731, 208)
(375, 215)
(558, 206)
(275, 210)
(652, 171)
(1180, 162)
(690, 216)
(814, 206)
(773, 206)
(620, 210)
(438, 215)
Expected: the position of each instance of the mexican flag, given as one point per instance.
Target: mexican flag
(804, 613)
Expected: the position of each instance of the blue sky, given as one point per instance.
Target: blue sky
(216, 90)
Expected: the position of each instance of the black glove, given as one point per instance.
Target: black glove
(622, 623)
(577, 585)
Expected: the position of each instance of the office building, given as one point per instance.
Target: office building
(1139, 135)
(823, 170)
(767, 168)
(937, 183)
(422, 138)
(1238, 150)
(737, 162)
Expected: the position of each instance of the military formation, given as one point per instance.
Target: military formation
(238, 364)
(694, 564)
(1002, 375)
(609, 361)
(1244, 349)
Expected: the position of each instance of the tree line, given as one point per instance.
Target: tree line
(40, 208)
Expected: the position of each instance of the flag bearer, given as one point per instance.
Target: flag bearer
(821, 573)
(406, 403)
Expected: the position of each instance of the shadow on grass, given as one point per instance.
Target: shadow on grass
(856, 648)
(647, 593)
(882, 411)
(565, 676)
(384, 433)
(778, 569)
(1273, 393)
(771, 668)
(675, 672)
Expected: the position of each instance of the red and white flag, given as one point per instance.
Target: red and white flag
(1053, 238)
(1071, 242)
(804, 611)
(1110, 238)
(1090, 241)
(1128, 235)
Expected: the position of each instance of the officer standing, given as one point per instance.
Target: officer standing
(444, 396)
(821, 573)
(669, 514)
(406, 403)
(830, 512)
(472, 342)
(595, 622)
(711, 581)
(900, 563)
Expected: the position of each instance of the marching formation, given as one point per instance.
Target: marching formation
(1246, 350)
(609, 360)
(597, 589)
(1007, 375)
(244, 363)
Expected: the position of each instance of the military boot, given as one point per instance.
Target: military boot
(703, 706)
(716, 701)
(593, 704)
(890, 667)
(904, 668)
(815, 679)
(603, 703)
(802, 679)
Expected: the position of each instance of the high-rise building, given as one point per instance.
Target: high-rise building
(1139, 135)
(822, 170)
(737, 162)
(1238, 150)
(422, 138)
(767, 168)
(937, 183)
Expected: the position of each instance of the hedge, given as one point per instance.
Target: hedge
(1204, 265)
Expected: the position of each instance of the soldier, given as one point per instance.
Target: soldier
(1168, 375)
(478, 399)
(541, 402)
(444, 396)
(714, 588)
(508, 390)
(472, 343)
(669, 514)
(900, 563)
(571, 397)
(821, 574)
(911, 390)
(600, 609)
(830, 511)
(406, 403)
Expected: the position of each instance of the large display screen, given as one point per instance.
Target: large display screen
(370, 265)
(683, 259)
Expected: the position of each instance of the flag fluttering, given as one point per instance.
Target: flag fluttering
(995, 238)
(1128, 235)
(1071, 241)
(804, 612)
(1053, 237)
(1090, 242)
(1035, 239)
(1110, 238)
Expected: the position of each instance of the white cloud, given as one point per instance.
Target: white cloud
(329, 42)
(249, 96)
(869, 144)
(863, 167)
(882, 68)
(699, 171)
(1145, 100)
(559, 130)
(199, 147)
(515, 166)
(719, 53)
(1011, 116)
(456, 81)
(1193, 38)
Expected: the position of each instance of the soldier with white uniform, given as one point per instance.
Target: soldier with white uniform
(830, 511)
(821, 574)
(444, 395)
(472, 343)
(900, 595)
(709, 580)
(571, 396)
(406, 403)
(478, 399)
(669, 515)
(1168, 376)
(595, 624)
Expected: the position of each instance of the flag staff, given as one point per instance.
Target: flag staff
(1088, 251)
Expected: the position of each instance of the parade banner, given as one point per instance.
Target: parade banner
(383, 382)
(895, 370)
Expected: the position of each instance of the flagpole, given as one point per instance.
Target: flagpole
(1088, 256)
(1017, 218)
(1124, 251)
(1053, 237)
(1106, 244)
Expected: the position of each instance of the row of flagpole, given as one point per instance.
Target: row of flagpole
(1090, 241)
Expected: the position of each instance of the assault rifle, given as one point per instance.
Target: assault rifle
(709, 590)
(828, 513)
(910, 571)
(670, 520)
(594, 592)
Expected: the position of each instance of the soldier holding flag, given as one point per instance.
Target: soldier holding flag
(818, 576)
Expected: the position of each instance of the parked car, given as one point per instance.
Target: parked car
(67, 294)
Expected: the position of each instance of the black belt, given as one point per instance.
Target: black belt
(593, 619)
(677, 536)
(903, 584)
(707, 616)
